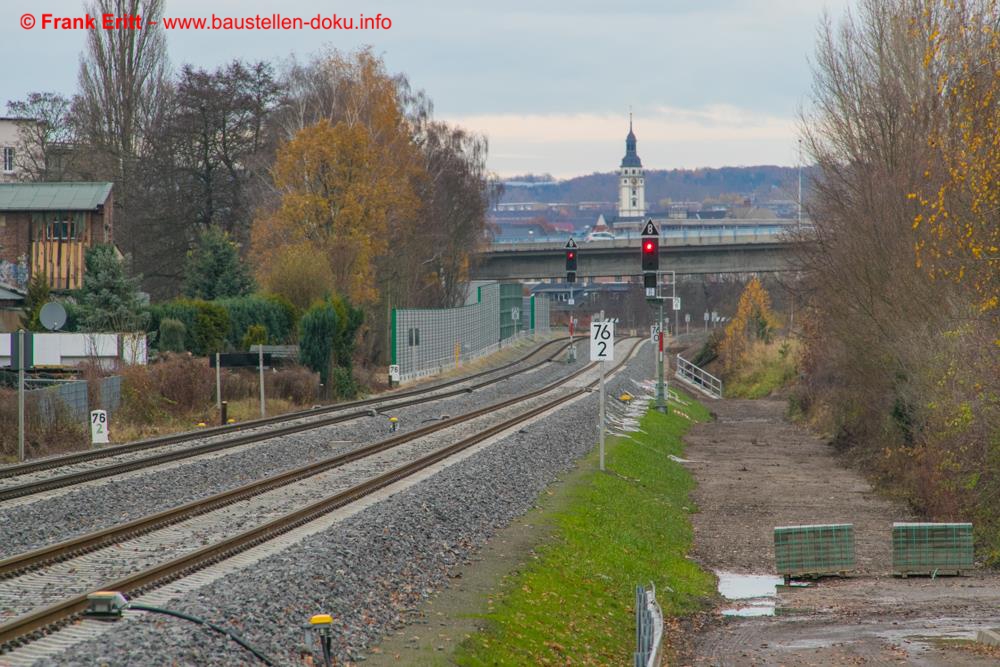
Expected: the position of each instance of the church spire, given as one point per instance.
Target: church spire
(631, 158)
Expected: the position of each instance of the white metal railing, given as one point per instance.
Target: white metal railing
(698, 378)
(648, 627)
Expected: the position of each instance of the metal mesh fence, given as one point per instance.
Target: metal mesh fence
(540, 311)
(648, 627)
(512, 312)
(72, 396)
(429, 340)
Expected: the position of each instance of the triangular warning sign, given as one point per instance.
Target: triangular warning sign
(650, 229)
(571, 244)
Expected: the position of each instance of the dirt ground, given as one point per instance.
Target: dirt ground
(756, 471)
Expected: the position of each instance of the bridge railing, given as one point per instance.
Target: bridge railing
(668, 237)
(698, 378)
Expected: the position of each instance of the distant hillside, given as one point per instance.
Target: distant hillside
(763, 182)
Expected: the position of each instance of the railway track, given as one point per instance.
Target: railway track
(306, 420)
(37, 622)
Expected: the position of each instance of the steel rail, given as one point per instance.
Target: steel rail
(160, 441)
(71, 479)
(36, 558)
(38, 623)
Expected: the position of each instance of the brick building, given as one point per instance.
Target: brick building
(46, 227)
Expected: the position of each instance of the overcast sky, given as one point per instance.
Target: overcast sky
(711, 82)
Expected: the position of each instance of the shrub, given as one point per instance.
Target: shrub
(300, 273)
(184, 382)
(256, 335)
(277, 318)
(342, 384)
(172, 333)
(60, 433)
(206, 324)
(709, 351)
(176, 384)
(297, 384)
(141, 402)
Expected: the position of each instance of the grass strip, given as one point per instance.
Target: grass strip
(573, 603)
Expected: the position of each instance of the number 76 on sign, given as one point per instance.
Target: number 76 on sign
(602, 341)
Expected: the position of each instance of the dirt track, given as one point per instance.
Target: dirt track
(756, 471)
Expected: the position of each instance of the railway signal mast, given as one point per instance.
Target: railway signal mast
(571, 256)
(571, 250)
(650, 247)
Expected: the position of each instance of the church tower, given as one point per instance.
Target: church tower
(632, 183)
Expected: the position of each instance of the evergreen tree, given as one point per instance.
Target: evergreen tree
(109, 299)
(316, 335)
(38, 295)
(213, 269)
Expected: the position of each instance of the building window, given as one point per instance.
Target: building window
(63, 230)
(633, 192)
(8, 159)
(633, 203)
(413, 336)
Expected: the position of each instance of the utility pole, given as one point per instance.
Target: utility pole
(20, 395)
(661, 394)
(799, 226)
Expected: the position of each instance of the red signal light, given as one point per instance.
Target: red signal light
(570, 255)
(650, 254)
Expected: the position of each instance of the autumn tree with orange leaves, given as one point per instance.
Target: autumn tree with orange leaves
(754, 321)
(958, 229)
(336, 200)
(372, 198)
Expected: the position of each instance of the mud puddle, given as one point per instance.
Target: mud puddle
(752, 594)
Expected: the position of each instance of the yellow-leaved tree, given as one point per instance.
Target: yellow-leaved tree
(345, 179)
(332, 201)
(958, 233)
(754, 320)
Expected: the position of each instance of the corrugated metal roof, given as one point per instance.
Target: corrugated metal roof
(53, 196)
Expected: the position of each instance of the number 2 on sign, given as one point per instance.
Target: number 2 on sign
(602, 341)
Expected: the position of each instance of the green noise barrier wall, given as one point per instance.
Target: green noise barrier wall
(919, 548)
(814, 550)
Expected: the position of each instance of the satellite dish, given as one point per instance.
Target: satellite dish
(52, 316)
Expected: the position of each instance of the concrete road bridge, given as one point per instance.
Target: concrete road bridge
(693, 253)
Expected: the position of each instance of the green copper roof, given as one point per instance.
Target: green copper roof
(53, 196)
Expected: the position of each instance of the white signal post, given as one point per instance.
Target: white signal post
(602, 348)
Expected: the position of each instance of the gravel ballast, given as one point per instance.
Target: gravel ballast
(103, 503)
(370, 569)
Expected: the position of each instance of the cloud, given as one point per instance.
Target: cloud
(568, 144)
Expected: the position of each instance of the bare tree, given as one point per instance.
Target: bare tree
(123, 74)
(44, 151)
(891, 353)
